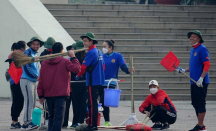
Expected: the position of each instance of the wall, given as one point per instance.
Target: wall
(21, 20)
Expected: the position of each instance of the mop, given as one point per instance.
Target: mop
(132, 118)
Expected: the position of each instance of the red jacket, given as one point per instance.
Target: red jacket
(55, 77)
(158, 99)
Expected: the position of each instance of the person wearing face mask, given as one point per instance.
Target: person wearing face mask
(198, 68)
(113, 61)
(159, 104)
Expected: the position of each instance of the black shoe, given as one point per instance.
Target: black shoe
(165, 126)
(15, 126)
(157, 126)
(198, 128)
(90, 129)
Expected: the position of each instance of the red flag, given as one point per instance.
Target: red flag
(170, 61)
(15, 72)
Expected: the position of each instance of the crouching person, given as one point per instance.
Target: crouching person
(54, 85)
(159, 106)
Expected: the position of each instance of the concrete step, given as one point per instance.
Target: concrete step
(157, 59)
(173, 97)
(179, 77)
(162, 84)
(159, 53)
(132, 7)
(168, 91)
(131, 12)
(83, 30)
(69, 24)
(159, 66)
(158, 72)
(133, 18)
(154, 42)
(156, 48)
(143, 36)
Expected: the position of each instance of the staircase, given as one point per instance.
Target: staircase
(148, 33)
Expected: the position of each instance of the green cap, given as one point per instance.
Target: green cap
(74, 46)
(91, 36)
(49, 43)
(197, 32)
(79, 44)
(35, 39)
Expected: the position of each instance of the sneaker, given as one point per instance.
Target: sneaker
(198, 128)
(157, 126)
(74, 126)
(15, 126)
(107, 123)
(29, 126)
(165, 126)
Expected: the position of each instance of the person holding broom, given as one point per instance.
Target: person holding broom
(113, 61)
(28, 81)
(159, 106)
(93, 65)
(198, 67)
(54, 84)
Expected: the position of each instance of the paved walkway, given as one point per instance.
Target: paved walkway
(186, 115)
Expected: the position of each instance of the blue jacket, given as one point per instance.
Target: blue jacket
(30, 71)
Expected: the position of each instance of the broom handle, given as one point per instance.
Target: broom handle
(132, 93)
(149, 118)
(188, 77)
(146, 117)
(62, 54)
(46, 57)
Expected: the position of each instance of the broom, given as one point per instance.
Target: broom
(132, 118)
(21, 59)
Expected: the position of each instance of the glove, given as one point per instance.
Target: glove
(178, 70)
(199, 82)
(77, 78)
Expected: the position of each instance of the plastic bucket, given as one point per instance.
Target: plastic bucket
(111, 97)
(98, 120)
(36, 116)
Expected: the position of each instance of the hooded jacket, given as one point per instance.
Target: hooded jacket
(158, 99)
(54, 80)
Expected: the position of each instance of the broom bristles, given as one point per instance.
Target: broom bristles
(20, 59)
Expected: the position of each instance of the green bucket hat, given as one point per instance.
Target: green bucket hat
(49, 43)
(74, 46)
(35, 39)
(197, 32)
(79, 44)
(91, 36)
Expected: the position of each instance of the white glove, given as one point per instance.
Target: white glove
(178, 70)
(199, 82)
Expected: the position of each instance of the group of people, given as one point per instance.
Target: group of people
(79, 79)
(82, 78)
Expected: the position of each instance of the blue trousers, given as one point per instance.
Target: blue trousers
(56, 108)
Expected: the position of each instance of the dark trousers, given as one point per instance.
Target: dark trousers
(198, 97)
(162, 115)
(17, 101)
(79, 97)
(93, 105)
(67, 110)
(56, 108)
(106, 110)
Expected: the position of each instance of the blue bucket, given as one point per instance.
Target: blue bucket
(36, 116)
(111, 97)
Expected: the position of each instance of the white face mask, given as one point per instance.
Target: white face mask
(105, 50)
(153, 90)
